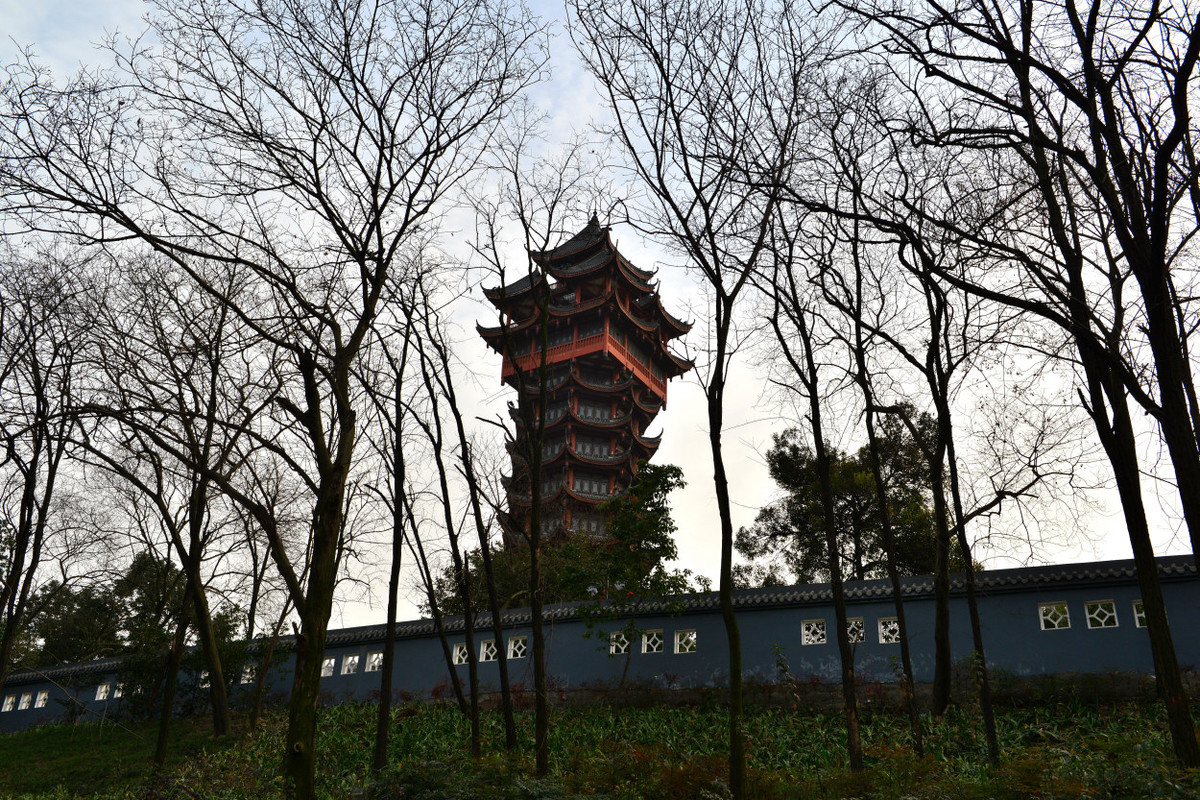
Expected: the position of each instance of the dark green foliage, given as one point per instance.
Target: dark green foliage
(152, 593)
(77, 624)
(786, 543)
(629, 562)
(1058, 751)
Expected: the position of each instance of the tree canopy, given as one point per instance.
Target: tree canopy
(785, 545)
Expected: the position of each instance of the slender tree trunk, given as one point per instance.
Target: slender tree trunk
(170, 682)
(889, 550)
(260, 682)
(833, 555)
(941, 588)
(1120, 444)
(715, 395)
(506, 703)
(1175, 420)
(300, 761)
(218, 690)
(435, 610)
(980, 671)
(383, 722)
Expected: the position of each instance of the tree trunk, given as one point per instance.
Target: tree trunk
(715, 396)
(1120, 445)
(834, 558)
(978, 656)
(889, 549)
(941, 589)
(171, 680)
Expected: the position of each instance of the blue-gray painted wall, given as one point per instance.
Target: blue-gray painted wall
(771, 622)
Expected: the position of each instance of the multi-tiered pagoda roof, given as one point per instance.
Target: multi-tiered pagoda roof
(602, 374)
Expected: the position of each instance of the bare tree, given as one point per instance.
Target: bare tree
(1075, 146)
(41, 302)
(534, 200)
(302, 144)
(173, 359)
(792, 318)
(708, 99)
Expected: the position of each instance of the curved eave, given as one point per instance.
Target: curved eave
(651, 405)
(593, 500)
(611, 388)
(651, 443)
(671, 326)
(565, 271)
(616, 459)
(637, 277)
(501, 296)
(672, 320)
(613, 423)
(681, 364)
(527, 500)
(591, 233)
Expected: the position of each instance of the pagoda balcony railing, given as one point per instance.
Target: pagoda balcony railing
(595, 343)
(596, 458)
(592, 495)
(604, 385)
(552, 415)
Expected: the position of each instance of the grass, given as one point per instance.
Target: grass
(660, 753)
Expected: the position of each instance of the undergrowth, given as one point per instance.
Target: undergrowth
(1063, 751)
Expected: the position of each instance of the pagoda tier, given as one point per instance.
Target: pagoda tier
(585, 340)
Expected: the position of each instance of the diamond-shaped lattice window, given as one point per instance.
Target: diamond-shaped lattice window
(685, 641)
(518, 646)
(618, 643)
(1139, 614)
(889, 630)
(855, 630)
(1054, 616)
(460, 652)
(487, 650)
(1101, 613)
(652, 642)
(812, 631)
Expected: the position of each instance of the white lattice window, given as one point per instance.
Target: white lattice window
(102, 691)
(518, 646)
(1100, 613)
(889, 630)
(375, 661)
(1139, 614)
(487, 650)
(618, 643)
(856, 631)
(119, 690)
(685, 641)
(10, 702)
(26, 700)
(1054, 616)
(42, 699)
(652, 642)
(203, 682)
(349, 665)
(460, 655)
(327, 666)
(812, 631)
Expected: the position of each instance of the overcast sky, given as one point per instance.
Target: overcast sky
(63, 34)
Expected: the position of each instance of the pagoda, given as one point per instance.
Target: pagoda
(604, 379)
